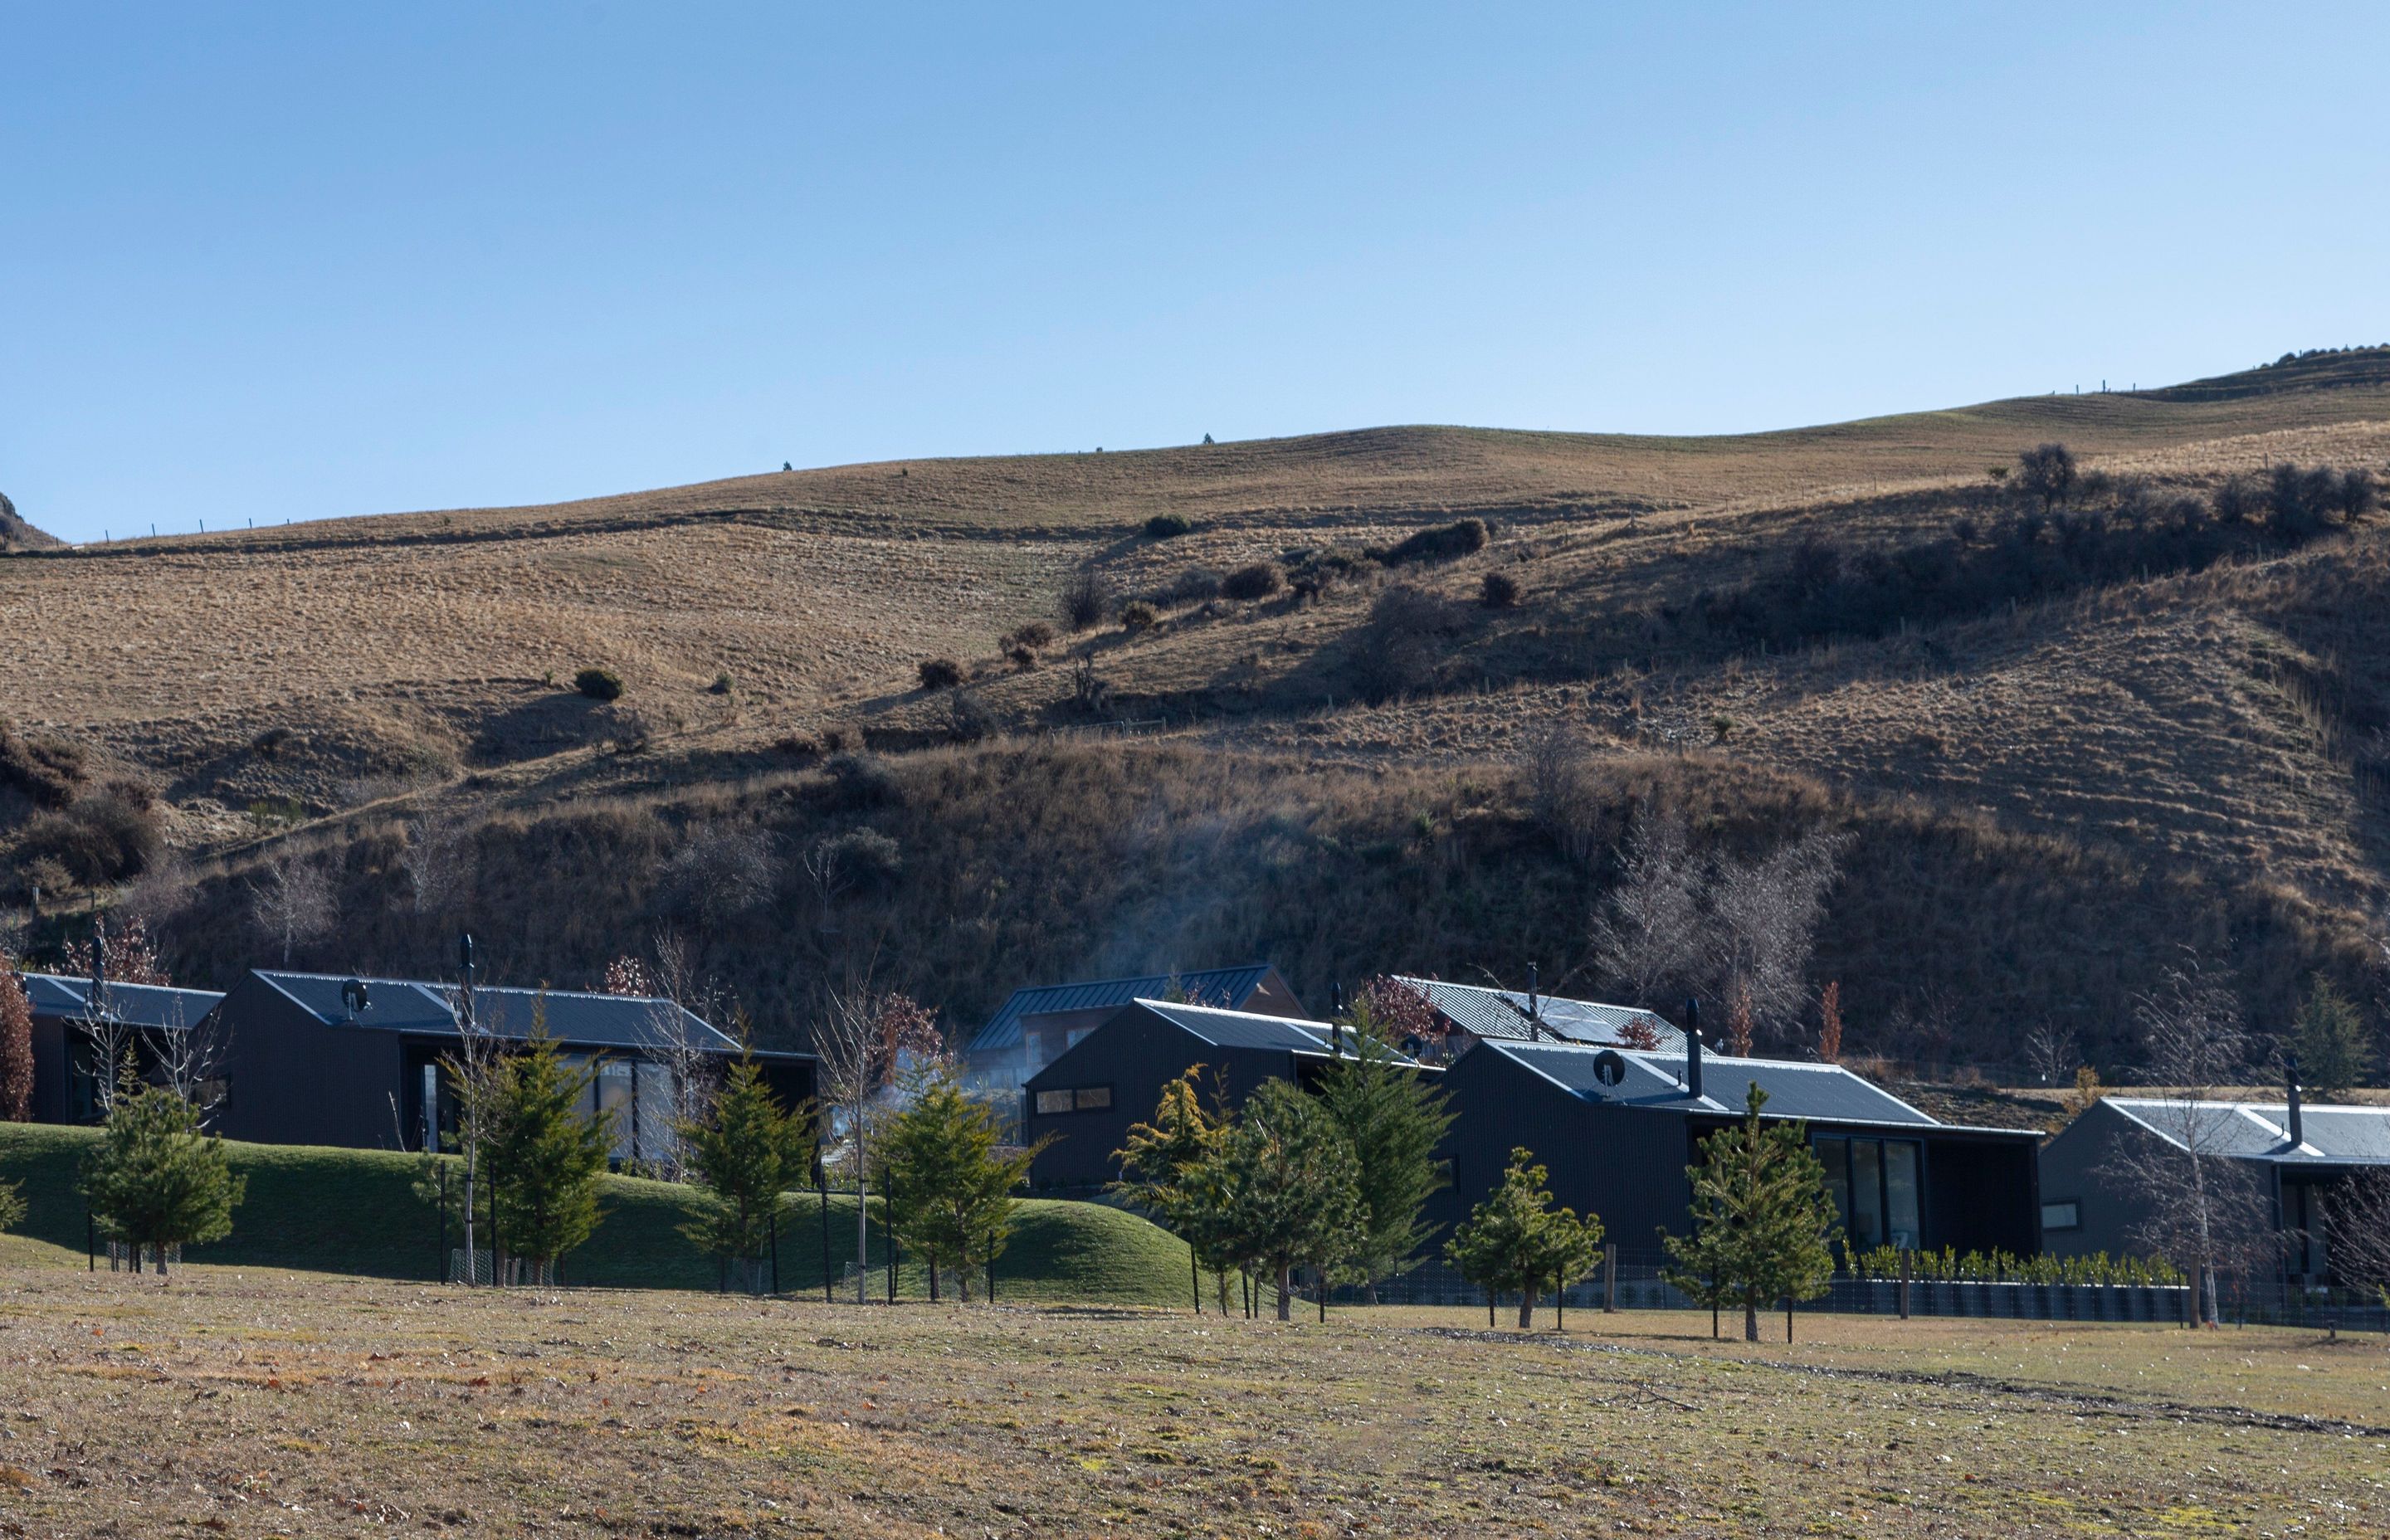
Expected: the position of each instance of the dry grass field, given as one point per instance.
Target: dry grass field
(257, 1404)
(2206, 749)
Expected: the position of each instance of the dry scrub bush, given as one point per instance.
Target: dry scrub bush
(1258, 581)
(47, 770)
(598, 684)
(940, 673)
(1085, 600)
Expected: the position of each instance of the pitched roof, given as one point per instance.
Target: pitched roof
(2261, 1130)
(1815, 1092)
(1502, 1013)
(570, 1015)
(1227, 987)
(1241, 1029)
(136, 1005)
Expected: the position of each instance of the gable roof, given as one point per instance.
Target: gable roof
(2261, 1130)
(1226, 987)
(570, 1015)
(1241, 1029)
(155, 1006)
(1502, 1014)
(1812, 1093)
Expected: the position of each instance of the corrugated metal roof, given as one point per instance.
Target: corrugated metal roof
(410, 1005)
(1816, 1093)
(137, 1004)
(1240, 1029)
(1226, 987)
(1502, 1014)
(2261, 1130)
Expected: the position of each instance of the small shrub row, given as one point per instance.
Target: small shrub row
(1950, 1266)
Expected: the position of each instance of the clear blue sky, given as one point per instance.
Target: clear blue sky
(288, 262)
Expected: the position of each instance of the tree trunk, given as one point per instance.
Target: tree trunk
(1285, 1292)
(1370, 1289)
(1750, 1319)
(933, 1281)
(1527, 1308)
(862, 1218)
(159, 1251)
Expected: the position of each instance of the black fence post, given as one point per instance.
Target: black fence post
(821, 1185)
(1609, 1278)
(774, 1219)
(442, 1271)
(991, 1269)
(91, 1243)
(888, 1219)
(1194, 1278)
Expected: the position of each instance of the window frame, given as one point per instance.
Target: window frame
(2071, 1206)
(1073, 1093)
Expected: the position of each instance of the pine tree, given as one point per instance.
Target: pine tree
(1393, 1121)
(546, 1153)
(1515, 1242)
(1156, 1164)
(153, 1179)
(12, 1206)
(16, 1047)
(745, 1156)
(1763, 1224)
(2336, 1051)
(953, 1183)
(1285, 1188)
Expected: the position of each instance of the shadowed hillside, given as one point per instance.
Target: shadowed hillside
(2059, 730)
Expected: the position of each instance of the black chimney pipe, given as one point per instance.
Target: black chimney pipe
(1692, 1045)
(2298, 1131)
(1534, 1006)
(1335, 1018)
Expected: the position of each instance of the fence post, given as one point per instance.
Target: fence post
(1903, 1289)
(888, 1214)
(1609, 1278)
(1560, 1303)
(775, 1218)
(821, 1185)
(991, 1274)
(91, 1243)
(443, 1221)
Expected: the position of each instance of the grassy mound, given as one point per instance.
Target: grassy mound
(355, 1211)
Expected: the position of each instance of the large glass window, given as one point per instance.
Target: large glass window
(1900, 1201)
(1875, 1186)
(615, 1096)
(1867, 1194)
(652, 1120)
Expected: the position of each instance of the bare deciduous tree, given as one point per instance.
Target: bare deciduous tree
(1559, 763)
(1649, 935)
(2357, 1224)
(291, 900)
(2050, 1053)
(692, 1071)
(438, 861)
(1679, 921)
(2204, 1208)
(475, 1070)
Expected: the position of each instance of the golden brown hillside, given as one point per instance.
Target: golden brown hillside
(2060, 736)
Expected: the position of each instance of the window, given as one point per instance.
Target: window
(2061, 1216)
(1051, 1102)
(1080, 1098)
(1875, 1187)
(1094, 1098)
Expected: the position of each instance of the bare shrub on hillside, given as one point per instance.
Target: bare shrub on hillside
(1561, 789)
(1084, 599)
(47, 770)
(2050, 1053)
(290, 899)
(105, 835)
(724, 871)
(1764, 925)
(1257, 581)
(2047, 471)
(853, 858)
(1647, 935)
(1397, 650)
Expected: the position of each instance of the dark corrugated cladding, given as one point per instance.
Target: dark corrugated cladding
(1115, 1076)
(1620, 1149)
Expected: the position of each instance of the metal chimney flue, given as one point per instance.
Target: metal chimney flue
(1692, 1047)
(2290, 1070)
(1534, 1006)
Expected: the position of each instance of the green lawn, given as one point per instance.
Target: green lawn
(354, 1211)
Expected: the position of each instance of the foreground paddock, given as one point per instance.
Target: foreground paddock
(250, 1402)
